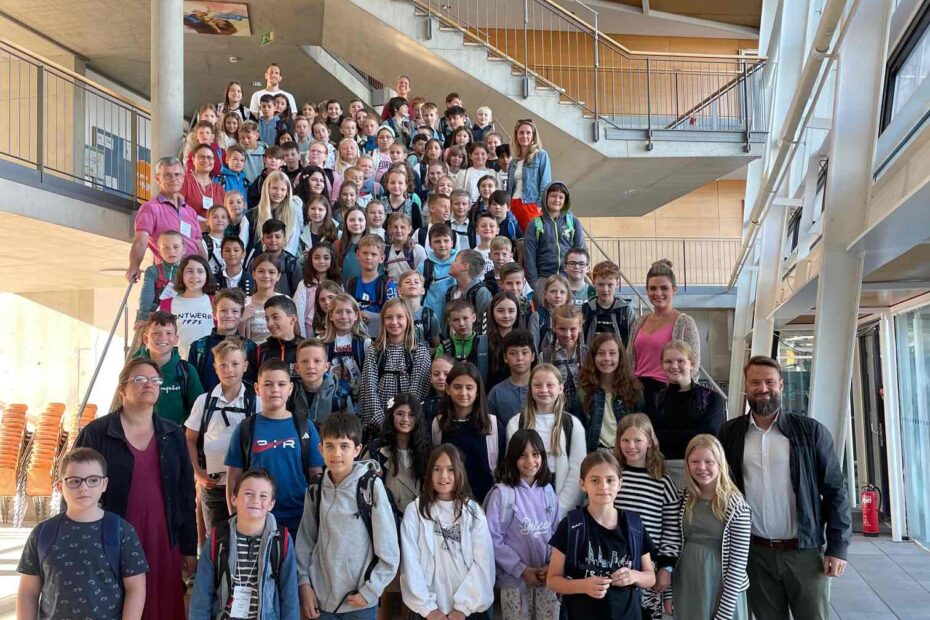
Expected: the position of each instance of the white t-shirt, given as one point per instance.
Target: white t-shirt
(472, 176)
(216, 437)
(518, 181)
(195, 319)
(488, 263)
(257, 96)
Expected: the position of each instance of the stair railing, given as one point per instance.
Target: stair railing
(623, 89)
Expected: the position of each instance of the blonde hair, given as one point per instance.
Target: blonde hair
(682, 347)
(534, 147)
(341, 164)
(410, 335)
(655, 461)
(558, 409)
(283, 211)
(724, 489)
(358, 329)
(556, 279)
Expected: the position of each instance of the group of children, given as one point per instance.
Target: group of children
(396, 398)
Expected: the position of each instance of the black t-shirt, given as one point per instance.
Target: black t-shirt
(604, 552)
(77, 581)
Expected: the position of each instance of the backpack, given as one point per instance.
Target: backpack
(382, 363)
(161, 282)
(247, 431)
(211, 249)
(381, 287)
(568, 426)
(577, 535)
(471, 294)
(48, 531)
(509, 498)
(479, 351)
(424, 325)
(183, 371)
(219, 555)
(592, 310)
(210, 407)
(364, 498)
(569, 227)
(407, 252)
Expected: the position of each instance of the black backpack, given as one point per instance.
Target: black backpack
(219, 554)
(210, 407)
(364, 498)
(247, 431)
(424, 326)
(381, 287)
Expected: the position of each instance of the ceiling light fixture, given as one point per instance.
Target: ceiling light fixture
(233, 59)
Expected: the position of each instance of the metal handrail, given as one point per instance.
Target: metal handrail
(622, 88)
(644, 301)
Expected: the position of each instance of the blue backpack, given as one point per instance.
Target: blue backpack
(577, 535)
(48, 531)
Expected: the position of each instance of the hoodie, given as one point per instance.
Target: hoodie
(324, 401)
(277, 600)
(284, 350)
(547, 240)
(332, 555)
(232, 181)
(440, 282)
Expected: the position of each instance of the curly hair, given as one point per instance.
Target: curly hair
(624, 384)
(421, 443)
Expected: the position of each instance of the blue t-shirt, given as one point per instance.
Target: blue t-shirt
(366, 293)
(276, 447)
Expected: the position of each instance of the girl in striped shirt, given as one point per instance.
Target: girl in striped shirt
(648, 491)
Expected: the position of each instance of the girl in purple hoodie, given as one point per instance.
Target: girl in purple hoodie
(523, 512)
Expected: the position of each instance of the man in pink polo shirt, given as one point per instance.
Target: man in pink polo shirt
(166, 211)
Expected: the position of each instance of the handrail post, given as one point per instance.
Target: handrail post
(526, 49)
(746, 146)
(597, 92)
(429, 19)
(40, 120)
(134, 155)
(106, 346)
(649, 144)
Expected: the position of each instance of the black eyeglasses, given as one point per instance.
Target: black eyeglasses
(74, 482)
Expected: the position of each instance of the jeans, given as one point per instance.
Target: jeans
(215, 510)
(370, 613)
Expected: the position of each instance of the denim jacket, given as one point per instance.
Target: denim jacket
(274, 602)
(595, 417)
(536, 176)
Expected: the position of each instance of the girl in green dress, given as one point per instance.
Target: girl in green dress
(709, 579)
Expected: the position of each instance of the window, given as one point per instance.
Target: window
(908, 66)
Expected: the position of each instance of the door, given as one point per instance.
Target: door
(873, 404)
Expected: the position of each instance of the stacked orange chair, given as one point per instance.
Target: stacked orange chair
(12, 429)
(45, 444)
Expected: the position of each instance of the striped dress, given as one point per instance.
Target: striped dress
(656, 501)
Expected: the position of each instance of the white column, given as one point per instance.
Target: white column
(895, 492)
(771, 242)
(167, 78)
(855, 112)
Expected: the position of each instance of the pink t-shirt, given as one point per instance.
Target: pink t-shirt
(649, 352)
(159, 215)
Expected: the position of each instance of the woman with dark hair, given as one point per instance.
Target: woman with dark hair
(232, 102)
(652, 331)
(684, 409)
(608, 389)
(150, 484)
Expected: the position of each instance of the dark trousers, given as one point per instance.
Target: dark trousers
(782, 581)
(213, 503)
(651, 389)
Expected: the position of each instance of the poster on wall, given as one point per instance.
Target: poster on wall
(229, 19)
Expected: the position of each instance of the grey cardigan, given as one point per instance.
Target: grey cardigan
(684, 329)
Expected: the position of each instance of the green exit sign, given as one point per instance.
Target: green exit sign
(267, 37)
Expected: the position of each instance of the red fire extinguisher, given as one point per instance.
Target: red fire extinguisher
(870, 500)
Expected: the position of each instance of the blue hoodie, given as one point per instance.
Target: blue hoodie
(232, 181)
(435, 298)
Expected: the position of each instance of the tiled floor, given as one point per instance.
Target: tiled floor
(885, 580)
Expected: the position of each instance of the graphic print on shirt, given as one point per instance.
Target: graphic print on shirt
(262, 445)
(597, 565)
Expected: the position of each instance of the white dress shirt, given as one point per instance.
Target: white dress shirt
(767, 480)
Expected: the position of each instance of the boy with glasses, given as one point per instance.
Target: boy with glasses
(84, 563)
(576, 270)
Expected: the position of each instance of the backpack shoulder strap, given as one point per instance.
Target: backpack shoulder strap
(538, 226)
(219, 555)
(46, 536)
(634, 537)
(250, 401)
(382, 289)
(482, 346)
(508, 499)
(184, 373)
(303, 435)
(568, 426)
(351, 284)
(315, 493)
(365, 498)
(576, 538)
(279, 547)
(112, 542)
(246, 431)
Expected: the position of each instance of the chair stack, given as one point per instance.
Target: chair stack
(45, 443)
(12, 431)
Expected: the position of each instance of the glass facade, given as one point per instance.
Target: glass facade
(795, 354)
(912, 334)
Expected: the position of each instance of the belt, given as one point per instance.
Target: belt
(781, 545)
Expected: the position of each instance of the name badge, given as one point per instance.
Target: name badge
(186, 229)
(207, 203)
(241, 601)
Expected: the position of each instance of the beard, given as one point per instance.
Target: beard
(765, 407)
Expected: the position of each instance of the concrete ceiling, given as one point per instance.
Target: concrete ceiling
(121, 51)
(78, 261)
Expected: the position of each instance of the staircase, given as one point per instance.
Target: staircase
(627, 131)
